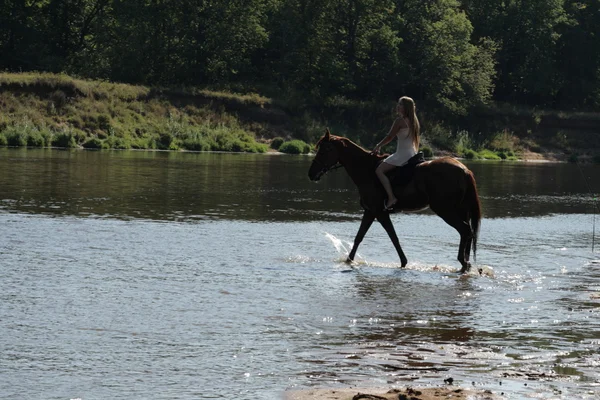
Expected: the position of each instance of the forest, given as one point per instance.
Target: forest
(454, 57)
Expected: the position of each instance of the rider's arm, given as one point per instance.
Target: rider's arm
(398, 124)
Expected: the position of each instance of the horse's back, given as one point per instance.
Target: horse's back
(444, 163)
(442, 178)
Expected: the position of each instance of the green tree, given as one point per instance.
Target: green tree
(578, 57)
(527, 33)
(441, 64)
(300, 52)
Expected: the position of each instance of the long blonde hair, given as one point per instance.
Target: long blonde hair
(410, 111)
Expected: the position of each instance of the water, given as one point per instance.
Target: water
(167, 275)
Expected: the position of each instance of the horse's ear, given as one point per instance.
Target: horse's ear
(327, 134)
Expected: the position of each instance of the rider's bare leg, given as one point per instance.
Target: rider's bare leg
(381, 174)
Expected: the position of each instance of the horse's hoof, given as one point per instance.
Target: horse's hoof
(349, 260)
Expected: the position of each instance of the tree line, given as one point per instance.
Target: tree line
(452, 54)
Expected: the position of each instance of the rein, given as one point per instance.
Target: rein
(324, 168)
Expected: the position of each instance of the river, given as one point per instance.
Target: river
(164, 275)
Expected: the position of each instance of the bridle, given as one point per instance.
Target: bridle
(324, 168)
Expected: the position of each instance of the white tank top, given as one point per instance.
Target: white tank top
(405, 148)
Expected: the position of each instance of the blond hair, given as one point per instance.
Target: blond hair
(410, 111)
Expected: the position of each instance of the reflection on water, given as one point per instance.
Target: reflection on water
(200, 186)
(170, 275)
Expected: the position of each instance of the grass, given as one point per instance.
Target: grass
(43, 110)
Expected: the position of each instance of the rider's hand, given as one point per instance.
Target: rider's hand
(376, 150)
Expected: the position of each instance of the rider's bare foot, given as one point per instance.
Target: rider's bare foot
(391, 203)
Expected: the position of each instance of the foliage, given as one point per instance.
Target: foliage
(295, 147)
(96, 114)
(488, 155)
(450, 55)
(93, 143)
(470, 154)
(277, 142)
(427, 151)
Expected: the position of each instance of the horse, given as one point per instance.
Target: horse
(444, 185)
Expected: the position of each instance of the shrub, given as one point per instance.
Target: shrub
(103, 122)
(439, 136)
(463, 142)
(164, 141)
(489, 155)
(58, 99)
(277, 142)
(16, 137)
(196, 144)
(93, 143)
(120, 143)
(143, 143)
(3, 141)
(295, 147)
(427, 152)
(470, 154)
(64, 139)
(504, 141)
(35, 139)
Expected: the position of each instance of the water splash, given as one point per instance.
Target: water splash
(343, 249)
(339, 245)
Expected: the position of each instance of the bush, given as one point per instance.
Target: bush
(35, 139)
(16, 137)
(58, 99)
(196, 144)
(427, 152)
(64, 139)
(103, 122)
(277, 142)
(165, 141)
(295, 147)
(439, 136)
(463, 142)
(504, 141)
(115, 142)
(489, 155)
(3, 141)
(470, 154)
(93, 143)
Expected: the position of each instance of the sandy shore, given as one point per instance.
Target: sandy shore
(408, 393)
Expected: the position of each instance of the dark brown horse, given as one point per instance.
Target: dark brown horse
(444, 185)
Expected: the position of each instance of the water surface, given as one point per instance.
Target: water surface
(183, 275)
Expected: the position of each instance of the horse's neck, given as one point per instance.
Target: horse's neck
(358, 163)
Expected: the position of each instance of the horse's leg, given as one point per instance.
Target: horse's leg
(453, 219)
(468, 247)
(367, 220)
(386, 222)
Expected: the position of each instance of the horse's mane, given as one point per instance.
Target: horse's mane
(344, 141)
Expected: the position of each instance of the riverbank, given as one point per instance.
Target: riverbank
(52, 110)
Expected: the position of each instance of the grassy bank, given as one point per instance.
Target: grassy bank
(44, 110)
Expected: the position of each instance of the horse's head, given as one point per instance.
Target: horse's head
(327, 156)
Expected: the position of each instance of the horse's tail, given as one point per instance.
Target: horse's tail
(474, 209)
